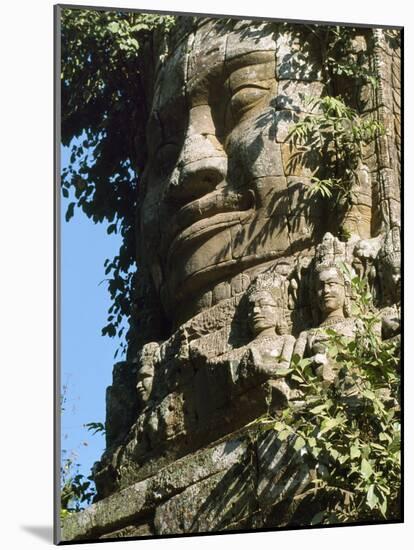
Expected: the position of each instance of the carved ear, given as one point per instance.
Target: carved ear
(347, 307)
(347, 287)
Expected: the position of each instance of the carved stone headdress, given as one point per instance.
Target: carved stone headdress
(330, 253)
(390, 252)
(271, 282)
(389, 258)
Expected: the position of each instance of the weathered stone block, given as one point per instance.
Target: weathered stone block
(282, 470)
(144, 530)
(294, 95)
(298, 161)
(211, 345)
(283, 122)
(293, 62)
(213, 504)
(238, 41)
(222, 291)
(125, 507)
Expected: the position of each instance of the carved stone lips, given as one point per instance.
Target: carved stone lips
(209, 214)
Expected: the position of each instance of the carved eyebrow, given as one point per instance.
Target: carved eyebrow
(249, 85)
(250, 58)
(263, 303)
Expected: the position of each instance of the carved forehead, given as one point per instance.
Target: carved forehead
(146, 370)
(330, 274)
(219, 49)
(261, 295)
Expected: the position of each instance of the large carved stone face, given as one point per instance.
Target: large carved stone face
(331, 292)
(262, 312)
(216, 192)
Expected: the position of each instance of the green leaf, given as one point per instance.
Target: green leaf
(95, 427)
(279, 426)
(113, 27)
(383, 506)
(69, 211)
(319, 409)
(318, 518)
(299, 443)
(355, 452)
(283, 435)
(366, 469)
(372, 499)
(328, 424)
(369, 394)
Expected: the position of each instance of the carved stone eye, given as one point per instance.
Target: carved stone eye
(245, 99)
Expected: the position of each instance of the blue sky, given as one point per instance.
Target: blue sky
(87, 357)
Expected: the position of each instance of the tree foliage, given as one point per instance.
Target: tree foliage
(103, 118)
(348, 432)
(336, 133)
(332, 136)
(76, 491)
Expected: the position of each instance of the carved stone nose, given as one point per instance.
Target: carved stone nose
(201, 167)
(205, 174)
(198, 178)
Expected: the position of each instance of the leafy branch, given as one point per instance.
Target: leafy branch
(336, 134)
(103, 122)
(75, 490)
(332, 135)
(348, 431)
(95, 427)
(339, 58)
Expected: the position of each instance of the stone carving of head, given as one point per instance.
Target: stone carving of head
(330, 290)
(214, 191)
(265, 305)
(145, 376)
(262, 312)
(330, 282)
(390, 266)
(144, 382)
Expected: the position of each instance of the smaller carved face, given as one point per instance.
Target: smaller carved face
(393, 280)
(144, 382)
(263, 312)
(331, 291)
